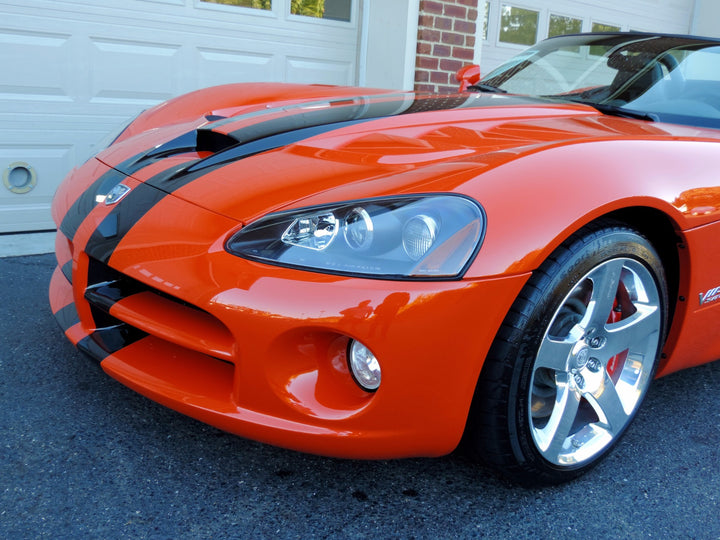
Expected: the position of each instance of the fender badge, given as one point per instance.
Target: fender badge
(710, 296)
(116, 193)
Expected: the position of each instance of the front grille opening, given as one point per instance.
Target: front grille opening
(126, 307)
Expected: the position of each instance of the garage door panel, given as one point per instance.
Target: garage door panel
(37, 59)
(218, 66)
(133, 72)
(75, 69)
(312, 70)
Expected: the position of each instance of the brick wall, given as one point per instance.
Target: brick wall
(446, 42)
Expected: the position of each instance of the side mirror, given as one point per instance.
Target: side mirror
(467, 76)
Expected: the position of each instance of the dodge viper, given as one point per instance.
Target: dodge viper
(364, 273)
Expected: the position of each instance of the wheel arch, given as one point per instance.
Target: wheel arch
(665, 236)
(668, 240)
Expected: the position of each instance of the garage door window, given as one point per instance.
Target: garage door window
(559, 25)
(518, 25)
(336, 10)
(602, 27)
(256, 4)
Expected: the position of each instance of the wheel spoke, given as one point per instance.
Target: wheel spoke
(608, 406)
(553, 354)
(636, 329)
(606, 279)
(561, 421)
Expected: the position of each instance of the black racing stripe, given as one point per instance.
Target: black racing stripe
(300, 122)
(66, 269)
(186, 142)
(320, 103)
(88, 346)
(120, 220)
(106, 341)
(105, 295)
(258, 138)
(67, 317)
(313, 118)
(140, 200)
(82, 207)
(361, 108)
(251, 148)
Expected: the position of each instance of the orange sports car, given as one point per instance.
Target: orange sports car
(372, 274)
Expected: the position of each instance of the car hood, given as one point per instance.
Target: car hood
(246, 162)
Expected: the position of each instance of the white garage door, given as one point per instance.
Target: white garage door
(72, 70)
(512, 25)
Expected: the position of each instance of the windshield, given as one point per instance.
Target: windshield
(672, 78)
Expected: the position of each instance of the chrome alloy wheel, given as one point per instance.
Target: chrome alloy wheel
(595, 362)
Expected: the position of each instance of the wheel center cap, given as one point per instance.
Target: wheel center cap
(581, 358)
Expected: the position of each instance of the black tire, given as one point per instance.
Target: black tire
(573, 359)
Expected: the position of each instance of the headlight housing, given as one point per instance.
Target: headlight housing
(405, 237)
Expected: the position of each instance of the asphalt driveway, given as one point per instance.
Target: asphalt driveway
(83, 456)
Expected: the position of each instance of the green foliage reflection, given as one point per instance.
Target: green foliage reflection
(518, 25)
(256, 4)
(560, 26)
(309, 8)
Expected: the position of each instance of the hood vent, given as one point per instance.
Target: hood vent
(212, 141)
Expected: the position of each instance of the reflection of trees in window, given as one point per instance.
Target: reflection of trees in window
(256, 4)
(600, 27)
(309, 8)
(518, 25)
(559, 25)
(338, 10)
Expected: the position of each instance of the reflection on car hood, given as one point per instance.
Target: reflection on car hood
(247, 164)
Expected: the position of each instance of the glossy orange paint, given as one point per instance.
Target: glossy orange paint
(467, 76)
(271, 362)
(260, 350)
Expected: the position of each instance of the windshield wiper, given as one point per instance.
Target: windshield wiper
(481, 87)
(614, 110)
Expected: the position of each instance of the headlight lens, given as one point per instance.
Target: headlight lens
(407, 237)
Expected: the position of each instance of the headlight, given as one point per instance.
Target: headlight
(428, 236)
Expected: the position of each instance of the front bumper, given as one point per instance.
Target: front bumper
(260, 351)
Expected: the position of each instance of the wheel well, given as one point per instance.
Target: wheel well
(660, 230)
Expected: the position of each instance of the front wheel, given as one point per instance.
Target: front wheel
(574, 358)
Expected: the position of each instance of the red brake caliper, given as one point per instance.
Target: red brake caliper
(622, 308)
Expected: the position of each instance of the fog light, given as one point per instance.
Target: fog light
(364, 367)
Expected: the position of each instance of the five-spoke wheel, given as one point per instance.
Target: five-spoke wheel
(574, 358)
